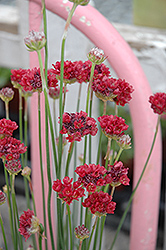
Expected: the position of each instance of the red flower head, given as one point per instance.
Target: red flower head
(7, 127)
(100, 203)
(117, 175)
(67, 191)
(112, 126)
(11, 148)
(16, 77)
(29, 224)
(123, 92)
(31, 80)
(76, 125)
(158, 103)
(91, 176)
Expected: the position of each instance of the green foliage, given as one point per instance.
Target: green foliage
(4, 76)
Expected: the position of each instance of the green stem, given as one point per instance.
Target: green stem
(134, 190)
(45, 33)
(61, 80)
(101, 231)
(7, 110)
(119, 153)
(10, 208)
(90, 238)
(96, 236)
(69, 158)
(70, 226)
(41, 169)
(55, 118)
(22, 156)
(3, 232)
(89, 86)
(14, 210)
(48, 175)
(25, 128)
(99, 148)
(79, 97)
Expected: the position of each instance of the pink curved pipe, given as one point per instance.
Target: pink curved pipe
(146, 202)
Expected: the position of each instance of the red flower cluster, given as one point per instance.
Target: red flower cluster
(112, 126)
(112, 89)
(91, 176)
(76, 125)
(79, 71)
(7, 127)
(158, 103)
(100, 203)
(68, 191)
(29, 224)
(30, 79)
(11, 148)
(117, 174)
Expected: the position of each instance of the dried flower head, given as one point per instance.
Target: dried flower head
(112, 126)
(77, 125)
(158, 103)
(96, 55)
(29, 224)
(35, 40)
(81, 232)
(6, 94)
(2, 197)
(13, 166)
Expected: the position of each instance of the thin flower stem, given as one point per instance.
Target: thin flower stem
(41, 169)
(99, 148)
(108, 149)
(14, 209)
(22, 156)
(54, 118)
(48, 175)
(112, 191)
(89, 86)
(79, 97)
(60, 149)
(3, 232)
(7, 110)
(69, 158)
(101, 231)
(25, 128)
(64, 98)
(134, 190)
(10, 208)
(119, 154)
(80, 245)
(96, 236)
(45, 33)
(70, 226)
(60, 236)
(105, 108)
(93, 228)
(116, 109)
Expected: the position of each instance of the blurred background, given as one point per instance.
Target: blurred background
(142, 23)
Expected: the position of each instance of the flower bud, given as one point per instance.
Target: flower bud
(6, 94)
(80, 2)
(26, 171)
(81, 232)
(96, 55)
(124, 142)
(35, 41)
(2, 198)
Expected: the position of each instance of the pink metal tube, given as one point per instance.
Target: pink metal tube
(146, 202)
